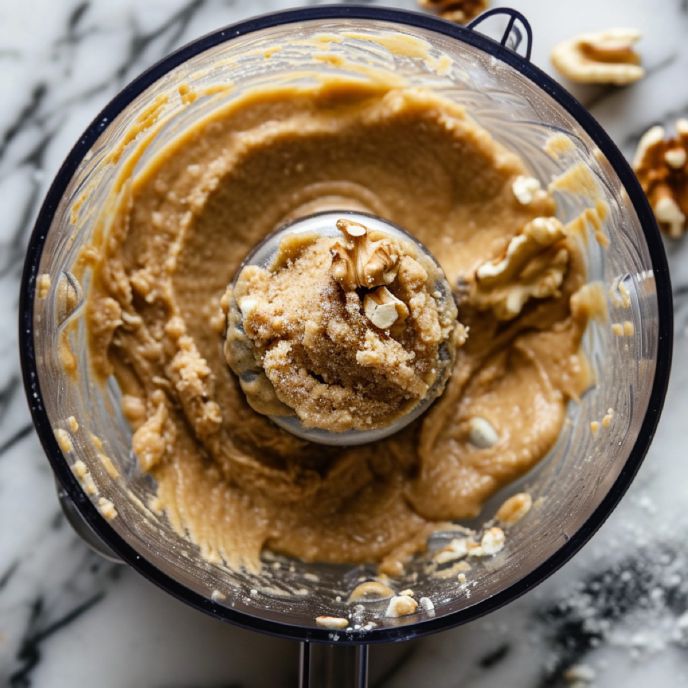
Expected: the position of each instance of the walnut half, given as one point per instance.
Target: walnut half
(607, 57)
(661, 165)
(457, 11)
(533, 267)
(360, 261)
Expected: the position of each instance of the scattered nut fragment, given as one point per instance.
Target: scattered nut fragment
(107, 508)
(401, 605)
(492, 541)
(481, 433)
(527, 189)
(594, 427)
(607, 57)
(533, 267)
(360, 261)
(73, 424)
(462, 578)
(42, 286)
(370, 590)
(217, 595)
(660, 163)
(607, 419)
(64, 440)
(458, 11)
(333, 622)
(426, 604)
(456, 549)
(407, 592)
(623, 329)
(514, 509)
(383, 309)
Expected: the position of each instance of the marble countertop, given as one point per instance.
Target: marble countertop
(617, 613)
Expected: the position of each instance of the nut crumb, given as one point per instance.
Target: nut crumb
(607, 419)
(408, 592)
(462, 578)
(594, 427)
(456, 549)
(108, 465)
(107, 508)
(426, 604)
(514, 508)
(332, 622)
(64, 440)
(481, 433)
(73, 424)
(492, 541)
(527, 189)
(401, 605)
(217, 596)
(43, 283)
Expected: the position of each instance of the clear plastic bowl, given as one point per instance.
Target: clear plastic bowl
(579, 482)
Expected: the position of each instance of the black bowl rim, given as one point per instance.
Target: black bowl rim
(413, 19)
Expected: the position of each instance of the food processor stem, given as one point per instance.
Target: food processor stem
(333, 666)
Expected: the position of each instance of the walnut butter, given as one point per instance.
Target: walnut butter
(344, 332)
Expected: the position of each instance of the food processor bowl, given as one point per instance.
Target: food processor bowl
(574, 488)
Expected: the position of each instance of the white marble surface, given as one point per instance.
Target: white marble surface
(70, 619)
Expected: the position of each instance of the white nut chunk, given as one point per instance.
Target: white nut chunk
(401, 605)
(383, 309)
(481, 433)
(533, 267)
(660, 164)
(607, 57)
(492, 541)
(332, 622)
(527, 189)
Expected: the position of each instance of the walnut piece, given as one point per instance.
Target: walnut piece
(332, 622)
(607, 57)
(361, 261)
(401, 605)
(533, 267)
(457, 11)
(514, 509)
(660, 163)
(383, 309)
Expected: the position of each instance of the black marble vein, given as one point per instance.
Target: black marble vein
(175, 24)
(7, 575)
(494, 657)
(26, 114)
(29, 654)
(15, 438)
(577, 623)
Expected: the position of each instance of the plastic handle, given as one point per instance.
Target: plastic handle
(511, 28)
(323, 665)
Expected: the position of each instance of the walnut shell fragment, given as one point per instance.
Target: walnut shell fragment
(457, 11)
(607, 57)
(661, 165)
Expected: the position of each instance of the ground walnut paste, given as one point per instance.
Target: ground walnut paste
(226, 475)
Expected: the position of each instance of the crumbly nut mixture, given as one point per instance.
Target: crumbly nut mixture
(608, 57)
(345, 333)
(661, 163)
(401, 605)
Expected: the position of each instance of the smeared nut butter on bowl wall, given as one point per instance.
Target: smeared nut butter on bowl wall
(230, 479)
